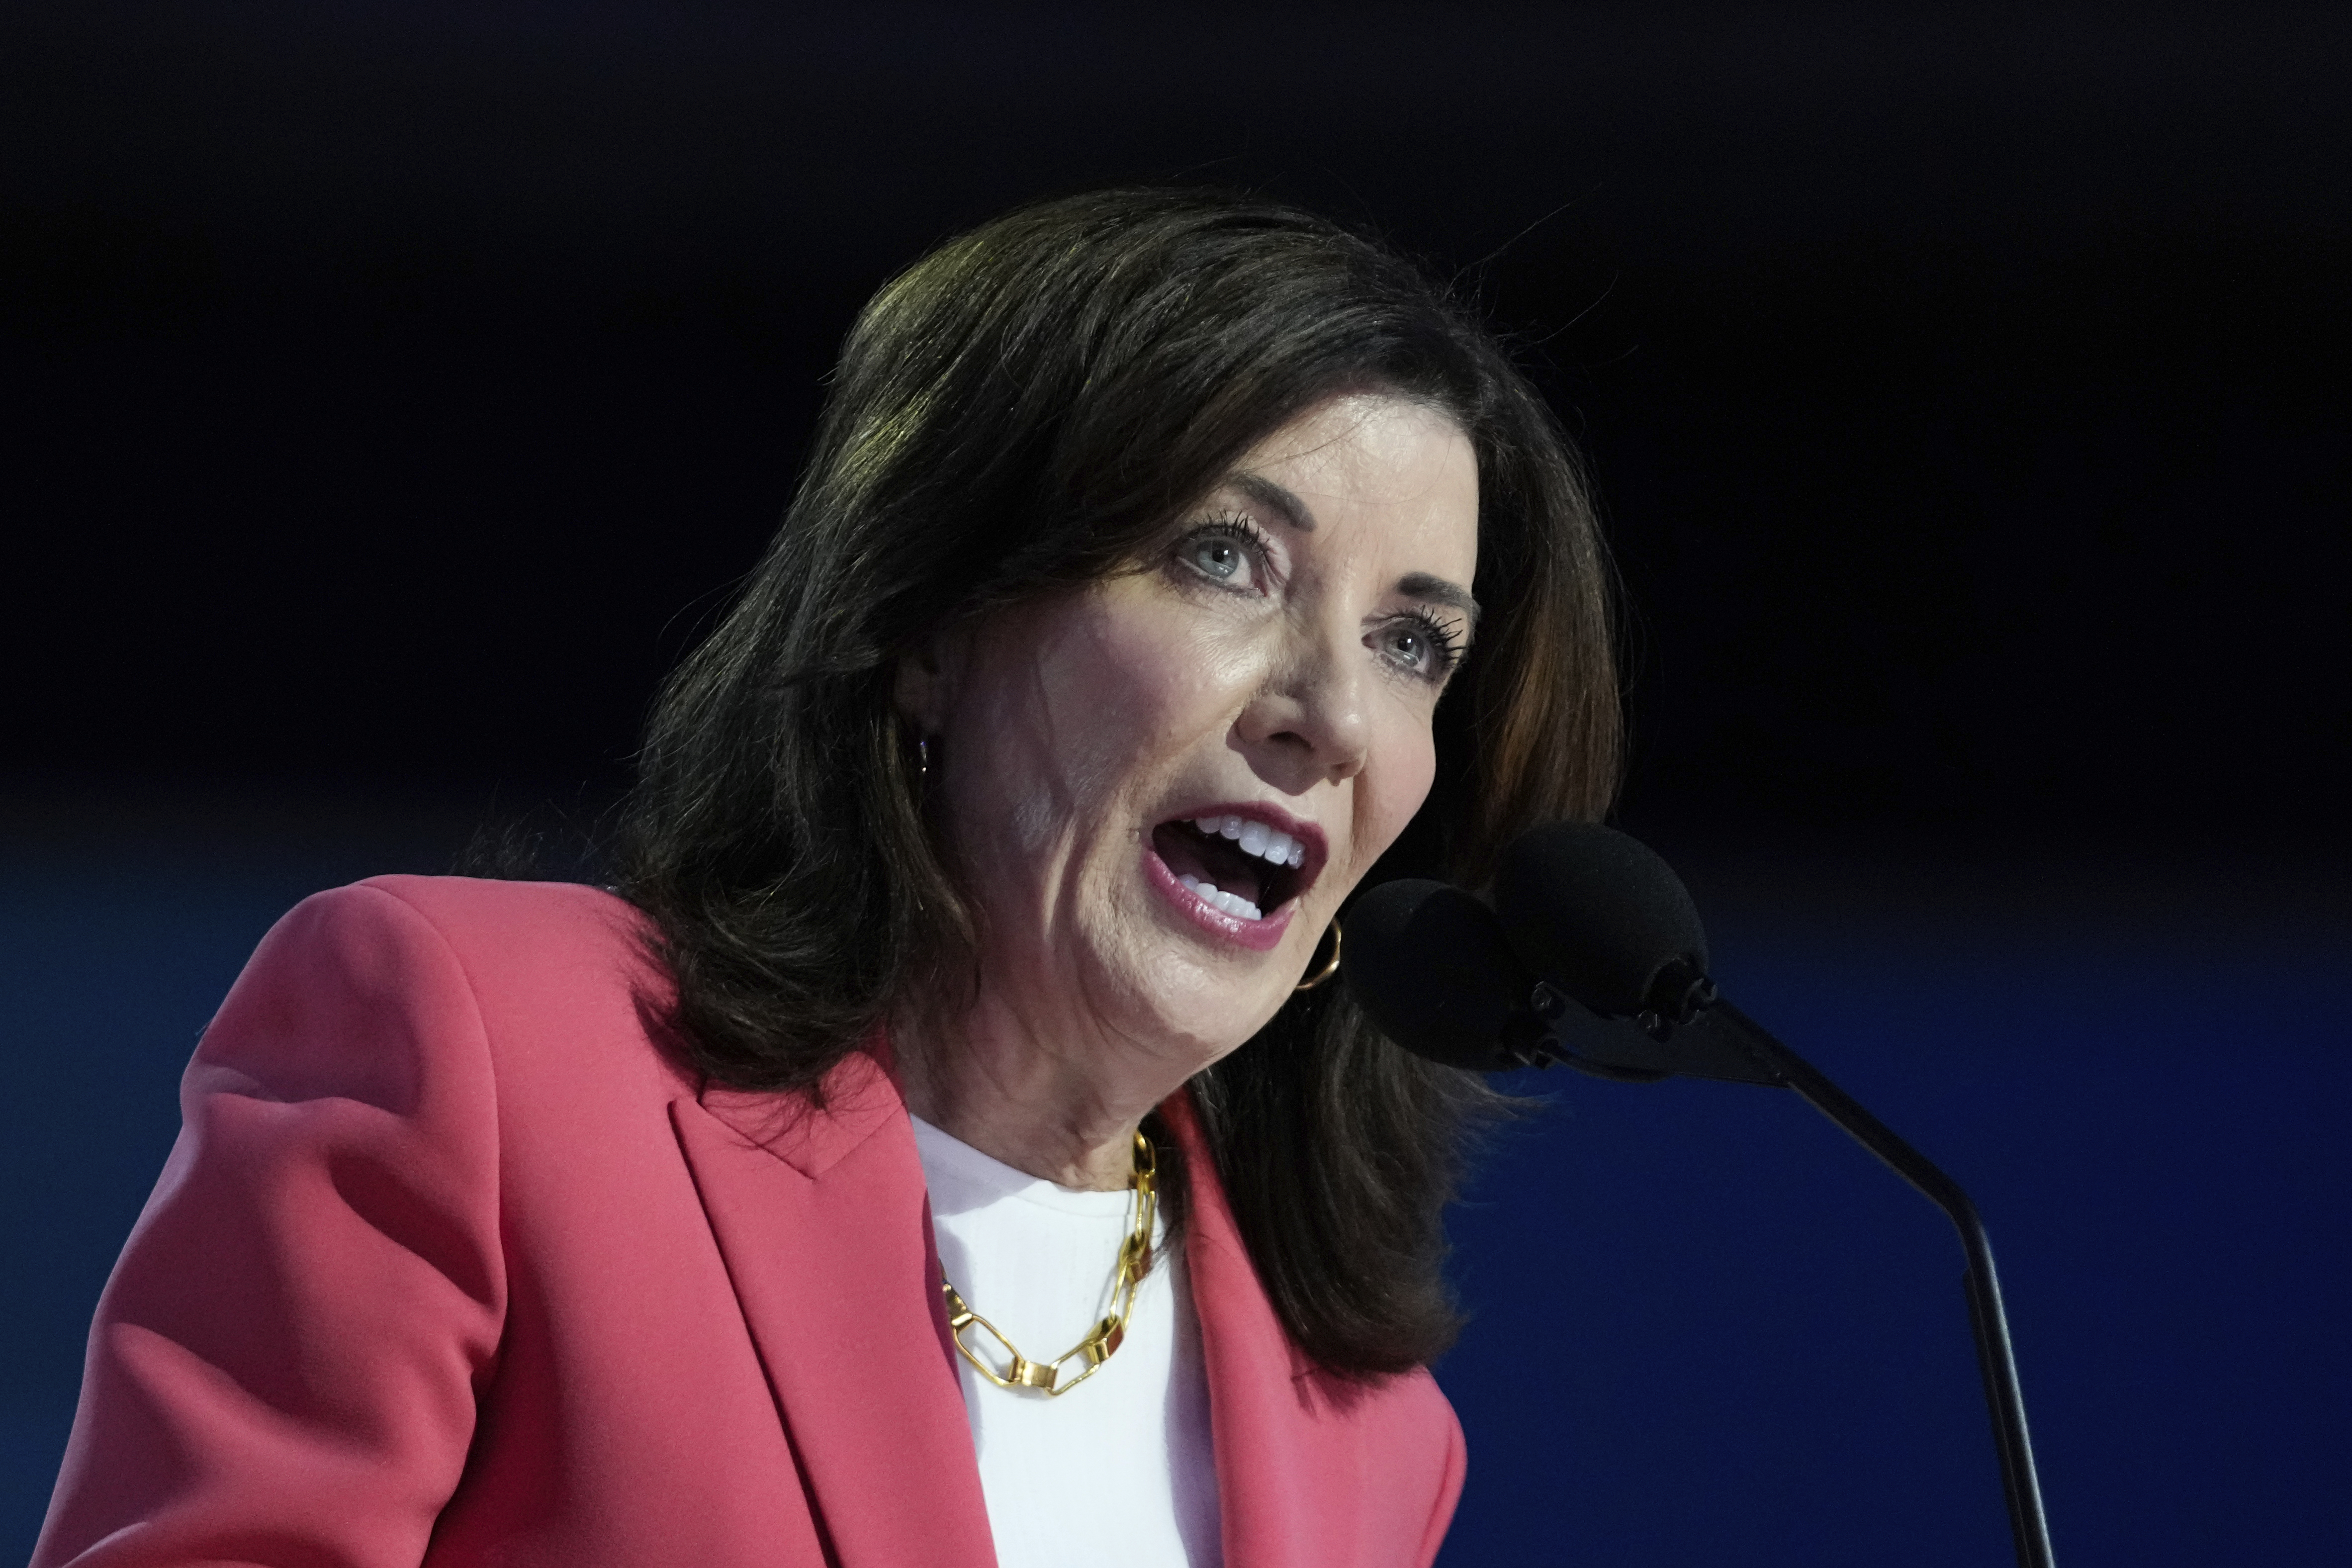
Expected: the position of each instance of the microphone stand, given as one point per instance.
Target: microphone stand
(1691, 1029)
(1680, 1024)
(1989, 1322)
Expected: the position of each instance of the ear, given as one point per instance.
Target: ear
(925, 686)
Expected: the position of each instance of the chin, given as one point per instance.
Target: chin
(1197, 1013)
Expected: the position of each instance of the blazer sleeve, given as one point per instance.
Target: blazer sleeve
(286, 1359)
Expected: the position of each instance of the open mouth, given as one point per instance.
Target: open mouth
(1238, 864)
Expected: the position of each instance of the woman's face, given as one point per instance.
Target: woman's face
(1270, 671)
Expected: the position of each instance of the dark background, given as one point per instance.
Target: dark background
(389, 392)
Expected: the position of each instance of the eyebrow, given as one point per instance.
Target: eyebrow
(1274, 498)
(1438, 591)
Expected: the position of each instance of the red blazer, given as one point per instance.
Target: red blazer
(450, 1264)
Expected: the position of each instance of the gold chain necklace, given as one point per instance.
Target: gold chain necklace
(1134, 1263)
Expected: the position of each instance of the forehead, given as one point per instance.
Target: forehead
(1378, 471)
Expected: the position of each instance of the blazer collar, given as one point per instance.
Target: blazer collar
(825, 1229)
(1286, 1450)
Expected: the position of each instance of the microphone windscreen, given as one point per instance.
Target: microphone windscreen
(1430, 966)
(1596, 912)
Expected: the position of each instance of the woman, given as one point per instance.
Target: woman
(1167, 562)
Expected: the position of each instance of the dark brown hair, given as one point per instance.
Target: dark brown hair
(1018, 414)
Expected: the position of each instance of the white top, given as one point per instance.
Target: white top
(1121, 1469)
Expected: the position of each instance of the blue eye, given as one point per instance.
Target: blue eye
(1420, 645)
(1218, 558)
(1229, 551)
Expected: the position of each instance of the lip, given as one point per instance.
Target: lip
(1258, 935)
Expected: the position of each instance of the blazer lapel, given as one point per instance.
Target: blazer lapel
(825, 1229)
(1289, 1474)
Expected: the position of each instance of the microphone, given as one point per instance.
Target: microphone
(1594, 956)
(1436, 972)
(1455, 992)
(1598, 913)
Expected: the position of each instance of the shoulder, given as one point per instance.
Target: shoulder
(536, 972)
(497, 935)
(499, 921)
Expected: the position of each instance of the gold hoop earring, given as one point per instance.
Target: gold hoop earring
(1330, 966)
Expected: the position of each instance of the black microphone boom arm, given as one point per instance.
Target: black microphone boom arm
(1719, 1041)
(1593, 956)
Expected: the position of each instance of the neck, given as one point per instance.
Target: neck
(1069, 1117)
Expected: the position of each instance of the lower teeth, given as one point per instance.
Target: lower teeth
(1215, 898)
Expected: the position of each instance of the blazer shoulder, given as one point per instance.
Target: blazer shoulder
(517, 917)
(561, 976)
(504, 933)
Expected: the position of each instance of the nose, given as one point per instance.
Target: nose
(1308, 723)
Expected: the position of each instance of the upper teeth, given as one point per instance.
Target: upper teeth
(1257, 837)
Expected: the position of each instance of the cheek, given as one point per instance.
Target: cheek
(1175, 678)
(1095, 699)
(1154, 676)
(1391, 789)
